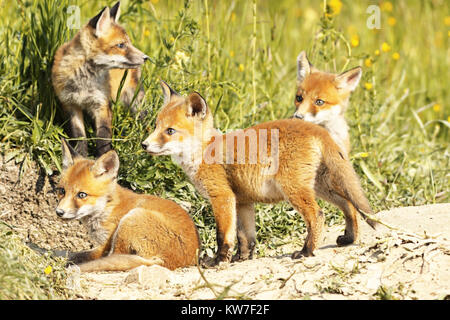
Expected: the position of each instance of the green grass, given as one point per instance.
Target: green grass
(26, 274)
(241, 56)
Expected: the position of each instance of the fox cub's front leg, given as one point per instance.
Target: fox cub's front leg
(224, 207)
(103, 128)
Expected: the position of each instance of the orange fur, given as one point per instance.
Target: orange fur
(322, 98)
(319, 85)
(308, 159)
(131, 229)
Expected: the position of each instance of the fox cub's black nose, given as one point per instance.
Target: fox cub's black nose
(146, 58)
(144, 145)
(60, 212)
(298, 116)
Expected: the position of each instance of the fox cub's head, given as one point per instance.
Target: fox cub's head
(182, 124)
(108, 44)
(322, 96)
(86, 185)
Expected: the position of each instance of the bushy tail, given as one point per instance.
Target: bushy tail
(118, 262)
(346, 183)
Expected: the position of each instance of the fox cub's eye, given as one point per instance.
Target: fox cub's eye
(81, 195)
(170, 131)
(299, 98)
(61, 191)
(121, 45)
(319, 102)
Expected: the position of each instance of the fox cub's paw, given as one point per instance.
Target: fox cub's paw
(344, 240)
(305, 252)
(217, 261)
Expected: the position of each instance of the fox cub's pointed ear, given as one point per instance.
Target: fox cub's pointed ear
(349, 80)
(107, 165)
(303, 66)
(196, 105)
(68, 154)
(168, 92)
(115, 12)
(101, 22)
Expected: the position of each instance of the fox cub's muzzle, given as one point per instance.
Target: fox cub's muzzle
(136, 57)
(60, 212)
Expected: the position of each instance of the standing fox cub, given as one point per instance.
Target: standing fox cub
(87, 72)
(304, 162)
(322, 98)
(131, 229)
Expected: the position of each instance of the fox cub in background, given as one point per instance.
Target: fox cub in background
(309, 164)
(322, 98)
(131, 229)
(87, 72)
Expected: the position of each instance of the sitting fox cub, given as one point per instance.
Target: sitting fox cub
(322, 98)
(131, 229)
(305, 162)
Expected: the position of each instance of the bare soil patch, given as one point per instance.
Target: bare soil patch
(410, 263)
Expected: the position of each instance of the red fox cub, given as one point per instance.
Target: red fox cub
(304, 163)
(87, 72)
(322, 98)
(131, 229)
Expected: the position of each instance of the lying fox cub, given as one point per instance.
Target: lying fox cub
(305, 162)
(131, 229)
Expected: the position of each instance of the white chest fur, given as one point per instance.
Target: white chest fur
(93, 220)
(333, 120)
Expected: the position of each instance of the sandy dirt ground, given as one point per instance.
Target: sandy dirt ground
(410, 259)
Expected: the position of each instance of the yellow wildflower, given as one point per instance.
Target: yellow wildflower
(396, 56)
(368, 62)
(232, 53)
(146, 33)
(368, 86)
(48, 270)
(241, 67)
(354, 41)
(392, 21)
(233, 17)
(364, 154)
(385, 47)
(335, 6)
(448, 119)
(377, 52)
(386, 6)
(447, 21)
(436, 107)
